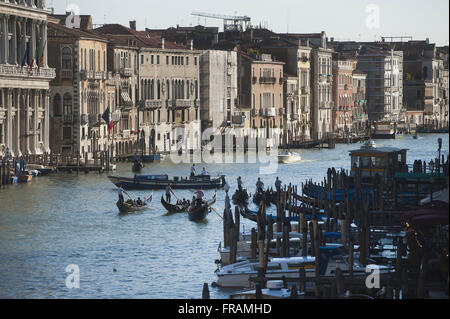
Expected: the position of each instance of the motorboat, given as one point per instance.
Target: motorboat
(289, 158)
(43, 170)
(160, 182)
(369, 145)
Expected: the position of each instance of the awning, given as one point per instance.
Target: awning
(126, 97)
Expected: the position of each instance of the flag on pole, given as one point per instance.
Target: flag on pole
(35, 59)
(108, 119)
(25, 56)
(41, 59)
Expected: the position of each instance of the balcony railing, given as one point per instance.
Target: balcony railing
(152, 104)
(84, 119)
(68, 118)
(306, 90)
(270, 112)
(24, 72)
(294, 117)
(180, 104)
(267, 80)
(126, 71)
(66, 74)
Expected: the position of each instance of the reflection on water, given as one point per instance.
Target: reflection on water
(68, 219)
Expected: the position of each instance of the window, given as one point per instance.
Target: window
(67, 133)
(66, 58)
(142, 59)
(167, 60)
(57, 105)
(157, 59)
(195, 61)
(67, 104)
(187, 60)
(152, 59)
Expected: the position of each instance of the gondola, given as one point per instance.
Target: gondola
(137, 167)
(127, 208)
(200, 213)
(174, 209)
(241, 197)
(258, 197)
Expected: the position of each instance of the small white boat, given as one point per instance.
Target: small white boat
(289, 158)
(239, 275)
(275, 290)
(369, 145)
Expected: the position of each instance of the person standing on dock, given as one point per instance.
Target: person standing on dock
(260, 185)
(168, 193)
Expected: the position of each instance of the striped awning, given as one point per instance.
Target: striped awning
(126, 97)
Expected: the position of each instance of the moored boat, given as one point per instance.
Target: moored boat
(275, 290)
(43, 170)
(24, 178)
(241, 197)
(160, 182)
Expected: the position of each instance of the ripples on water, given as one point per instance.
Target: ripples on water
(68, 219)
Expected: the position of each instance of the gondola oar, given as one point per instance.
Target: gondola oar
(215, 211)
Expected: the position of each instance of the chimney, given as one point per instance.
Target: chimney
(191, 43)
(162, 42)
(133, 25)
(324, 40)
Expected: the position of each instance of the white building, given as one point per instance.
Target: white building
(24, 90)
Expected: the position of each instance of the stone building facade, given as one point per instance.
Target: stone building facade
(218, 89)
(261, 89)
(24, 78)
(79, 92)
(169, 94)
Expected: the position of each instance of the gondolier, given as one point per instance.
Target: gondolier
(239, 181)
(200, 196)
(193, 172)
(121, 191)
(260, 185)
(278, 184)
(168, 194)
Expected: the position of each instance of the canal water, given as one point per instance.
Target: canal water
(70, 219)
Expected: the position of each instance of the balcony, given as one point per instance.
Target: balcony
(180, 104)
(294, 117)
(238, 120)
(17, 71)
(270, 112)
(84, 119)
(281, 111)
(67, 118)
(267, 80)
(66, 74)
(254, 80)
(126, 72)
(93, 75)
(152, 104)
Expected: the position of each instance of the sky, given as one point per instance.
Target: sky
(359, 20)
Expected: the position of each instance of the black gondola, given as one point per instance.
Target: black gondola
(199, 213)
(259, 197)
(137, 166)
(174, 209)
(241, 197)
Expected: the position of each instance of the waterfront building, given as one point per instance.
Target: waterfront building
(296, 54)
(343, 98)
(218, 90)
(24, 78)
(79, 92)
(360, 114)
(384, 69)
(260, 91)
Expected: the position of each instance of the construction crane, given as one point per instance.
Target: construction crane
(230, 23)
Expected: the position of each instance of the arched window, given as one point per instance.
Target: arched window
(67, 104)
(57, 105)
(66, 58)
